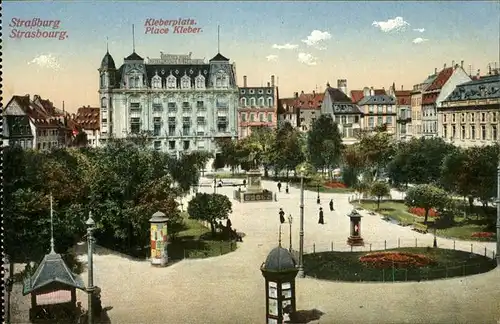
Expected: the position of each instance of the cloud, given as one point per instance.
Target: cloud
(272, 58)
(317, 39)
(46, 61)
(286, 46)
(420, 30)
(307, 59)
(396, 24)
(419, 40)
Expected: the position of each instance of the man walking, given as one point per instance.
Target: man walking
(282, 216)
(331, 205)
(279, 186)
(321, 220)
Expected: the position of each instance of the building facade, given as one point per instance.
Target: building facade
(378, 110)
(403, 112)
(288, 112)
(48, 126)
(344, 112)
(469, 116)
(88, 120)
(308, 109)
(185, 104)
(432, 96)
(258, 106)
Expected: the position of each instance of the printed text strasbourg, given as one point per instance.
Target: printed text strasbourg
(36, 28)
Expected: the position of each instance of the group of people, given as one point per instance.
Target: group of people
(286, 188)
(321, 219)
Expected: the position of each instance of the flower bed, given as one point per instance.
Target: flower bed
(335, 184)
(421, 212)
(385, 260)
(483, 234)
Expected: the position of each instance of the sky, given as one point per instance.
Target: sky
(305, 44)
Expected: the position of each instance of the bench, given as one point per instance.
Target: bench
(421, 228)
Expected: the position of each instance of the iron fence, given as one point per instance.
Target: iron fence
(474, 265)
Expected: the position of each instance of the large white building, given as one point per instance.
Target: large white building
(184, 103)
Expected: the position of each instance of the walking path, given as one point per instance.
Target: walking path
(230, 288)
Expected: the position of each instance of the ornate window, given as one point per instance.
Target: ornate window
(252, 102)
(185, 82)
(221, 80)
(104, 103)
(157, 106)
(103, 80)
(261, 101)
(243, 102)
(200, 82)
(270, 102)
(171, 82)
(133, 82)
(156, 81)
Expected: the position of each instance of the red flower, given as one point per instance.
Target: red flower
(395, 259)
(419, 211)
(483, 234)
(334, 184)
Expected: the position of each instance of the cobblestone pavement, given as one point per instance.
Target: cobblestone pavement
(230, 288)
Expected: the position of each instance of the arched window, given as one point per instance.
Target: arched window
(103, 80)
(261, 102)
(243, 102)
(270, 101)
(252, 102)
(104, 103)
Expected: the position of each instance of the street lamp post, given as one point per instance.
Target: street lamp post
(435, 244)
(290, 219)
(301, 242)
(90, 286)
(215, 185)
(318, 201)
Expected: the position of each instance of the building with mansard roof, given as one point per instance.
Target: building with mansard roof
(469, 116)
(185, 104)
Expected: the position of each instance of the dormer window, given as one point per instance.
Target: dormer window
(200, 82)
(185, 82)
(134, 81)
(156, 82)
(221, 80)
(171, 82)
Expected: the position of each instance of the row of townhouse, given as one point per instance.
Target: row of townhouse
(458, 107)
(35, 123)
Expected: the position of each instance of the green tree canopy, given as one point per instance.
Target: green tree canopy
(209, 207)
(427, 196)
(324, 143)
(380, 190)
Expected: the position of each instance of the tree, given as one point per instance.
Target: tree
(380, 189)
(377, 150)
(426, 196)
(324, 143)
(288, 151)
(210, 208)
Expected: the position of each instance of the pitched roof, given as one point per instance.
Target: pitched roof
(108, 62)
(487, 87)
(356, 95)
(52, 269)
(441, 79)
(88, 118)
(403, 97)
(377, 100)
(41, 111)
(219, 57)
(134, 57)
(310, 100)
(336, 95)
(287, 106)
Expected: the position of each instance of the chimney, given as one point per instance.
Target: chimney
(314, 93)
(342, 85)
(302, 92)
(272, 81)
(401, 87)
(245, 81)
(489, 69)
(444, 66)
(372, 92)
(435, 70)
(453, 63)
(268, 84)
(462, 64)
(478, 73)
(296, 95)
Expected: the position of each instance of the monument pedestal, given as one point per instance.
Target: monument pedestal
(355, 241)
(254, 190)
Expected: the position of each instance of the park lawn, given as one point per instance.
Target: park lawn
(322, 189)
(195, 241)
(462, 230)
(345, 266)
(394, 210)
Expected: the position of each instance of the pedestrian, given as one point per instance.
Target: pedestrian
(331, 205)
(282, 216)
(286, 188)
(220, 183)
(279, 186)
(245, 182)
(228, 223)
(321, 220)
